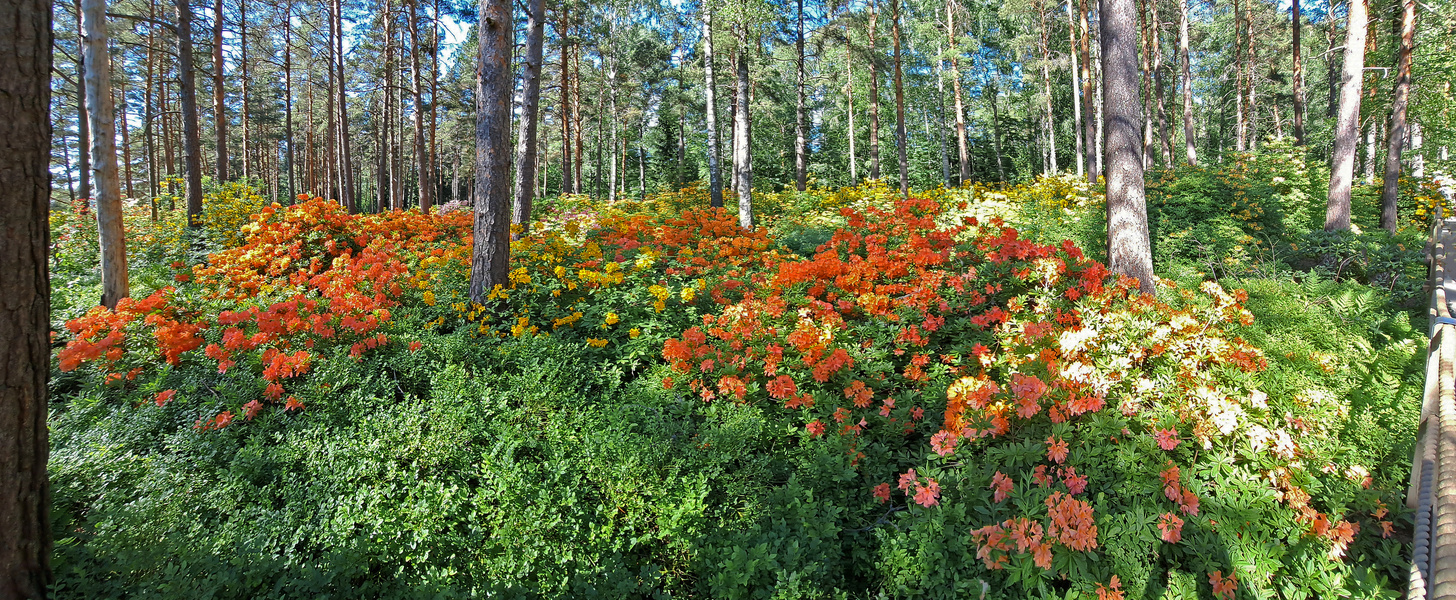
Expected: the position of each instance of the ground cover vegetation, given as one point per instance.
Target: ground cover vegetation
(944, 396)
(557, 299)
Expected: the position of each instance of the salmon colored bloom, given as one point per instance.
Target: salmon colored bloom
(1002, 485)
(1056, 449)
(164, 396)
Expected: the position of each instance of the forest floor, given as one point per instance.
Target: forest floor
(865, 397)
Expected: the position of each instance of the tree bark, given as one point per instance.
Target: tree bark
(288, 95)
(1046, 78)
(566, 137)
(1347, 127)
(191, 136)
(874, 93)
(1190, 142)
(955, 73)
(219, 96)
(1395, 138)
(490, 256)
(345, 156)
(125, 136)
(1089, 126)
(1128, 250)
(1076, 94)
(715, 178)
(801, 159)
(83, 119)
(742, 121)
(1298, 83)
(849, 94)
(422, 159)
(25, 184)
(114, 285)
(530, 106)
(243, 65)
(1241, 130)
(901, 139)
(996, 131)
(1164, 139)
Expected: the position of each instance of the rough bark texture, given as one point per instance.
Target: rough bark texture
(1089, 126)
(219, 96)
(710, 98)
(1128, 251)
(955, 74)
(422, 159)
(25, 139)
(1298, 83)
(490, 258)
(742, 121)
(114, 284)
(191, 136)
(801, 159)
(1076, 95)
(874, 93)
(1190, 142)
(530, 106)
(1347, 125)
(1397, 133)
(901, 140)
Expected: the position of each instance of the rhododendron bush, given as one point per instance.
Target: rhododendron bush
(929, 404)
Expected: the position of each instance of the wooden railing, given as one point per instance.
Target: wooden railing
(1432, 492)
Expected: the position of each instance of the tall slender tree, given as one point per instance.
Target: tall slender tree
(742, 123)
(1190, 148)
(191, 133)
(1396, 137)
(1128, 249)
(525, 191)
(901, 139)
(953, 35)
(490, 255)
(1297, 20)
(1347, 125)
(715, 178)
(801, 159)
(219, 96)
(114, 285)
(422, 158)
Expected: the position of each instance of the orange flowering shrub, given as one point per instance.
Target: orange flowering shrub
(1032, 407)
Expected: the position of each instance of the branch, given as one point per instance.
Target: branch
(163, 24)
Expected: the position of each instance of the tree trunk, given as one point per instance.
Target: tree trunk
(114, 284)
(345, 156)
(996, 132)
(1046, 78)
(901, 140)
(1190, 142)
(191, 136)
(1395, 138)
(125, 136)
(1128, 250)
(742, 157)
(1240, 121)
(243, 64)
(83, 119)
(566, 137)
(1347, 127)
(1298, 90)
(1076, 95)
(288, 95)
(849, 93)
(422, 160)
(874, 93)
(490, 257)
(955, 73)
(1164, 139)
(219, 97)
(801, 162)
(715, 178)
(25, 184)
(1089, 126)
(530, 105)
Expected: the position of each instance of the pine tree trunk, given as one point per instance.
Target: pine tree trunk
(955, 74)
(849, 93)
(525, 191)
(243, 64)
(801, 165)
(288, 96)
(1347, 127)
(1240, 122)
(1164, 139)
(191, 136)
(114, 285)
(742, 157)
(901, 139)
(422, 160)
(345, 156)
(1089, 125)
(1298, 91)
(1046, 78)
(1076, 95)
(490, 257)
(715, 179)
(1190, 141)
(874, 60)
(1395, 138)
(1128, 250)
(83, 119)
(566, 138)
(125, 137)
(25, 185)
(219, 96)
(996, 132)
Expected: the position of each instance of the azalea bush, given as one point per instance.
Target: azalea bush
(905, 397)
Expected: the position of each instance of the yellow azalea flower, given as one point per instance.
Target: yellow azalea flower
(429, 298)
(596, 343)
(687, 294)
(612, 318)
(560, 271)
(634, 332)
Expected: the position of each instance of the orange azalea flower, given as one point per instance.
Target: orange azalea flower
(1223, 586)
(1002, 485)
(1056, 449)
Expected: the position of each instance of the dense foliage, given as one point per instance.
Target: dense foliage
(865, 397)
